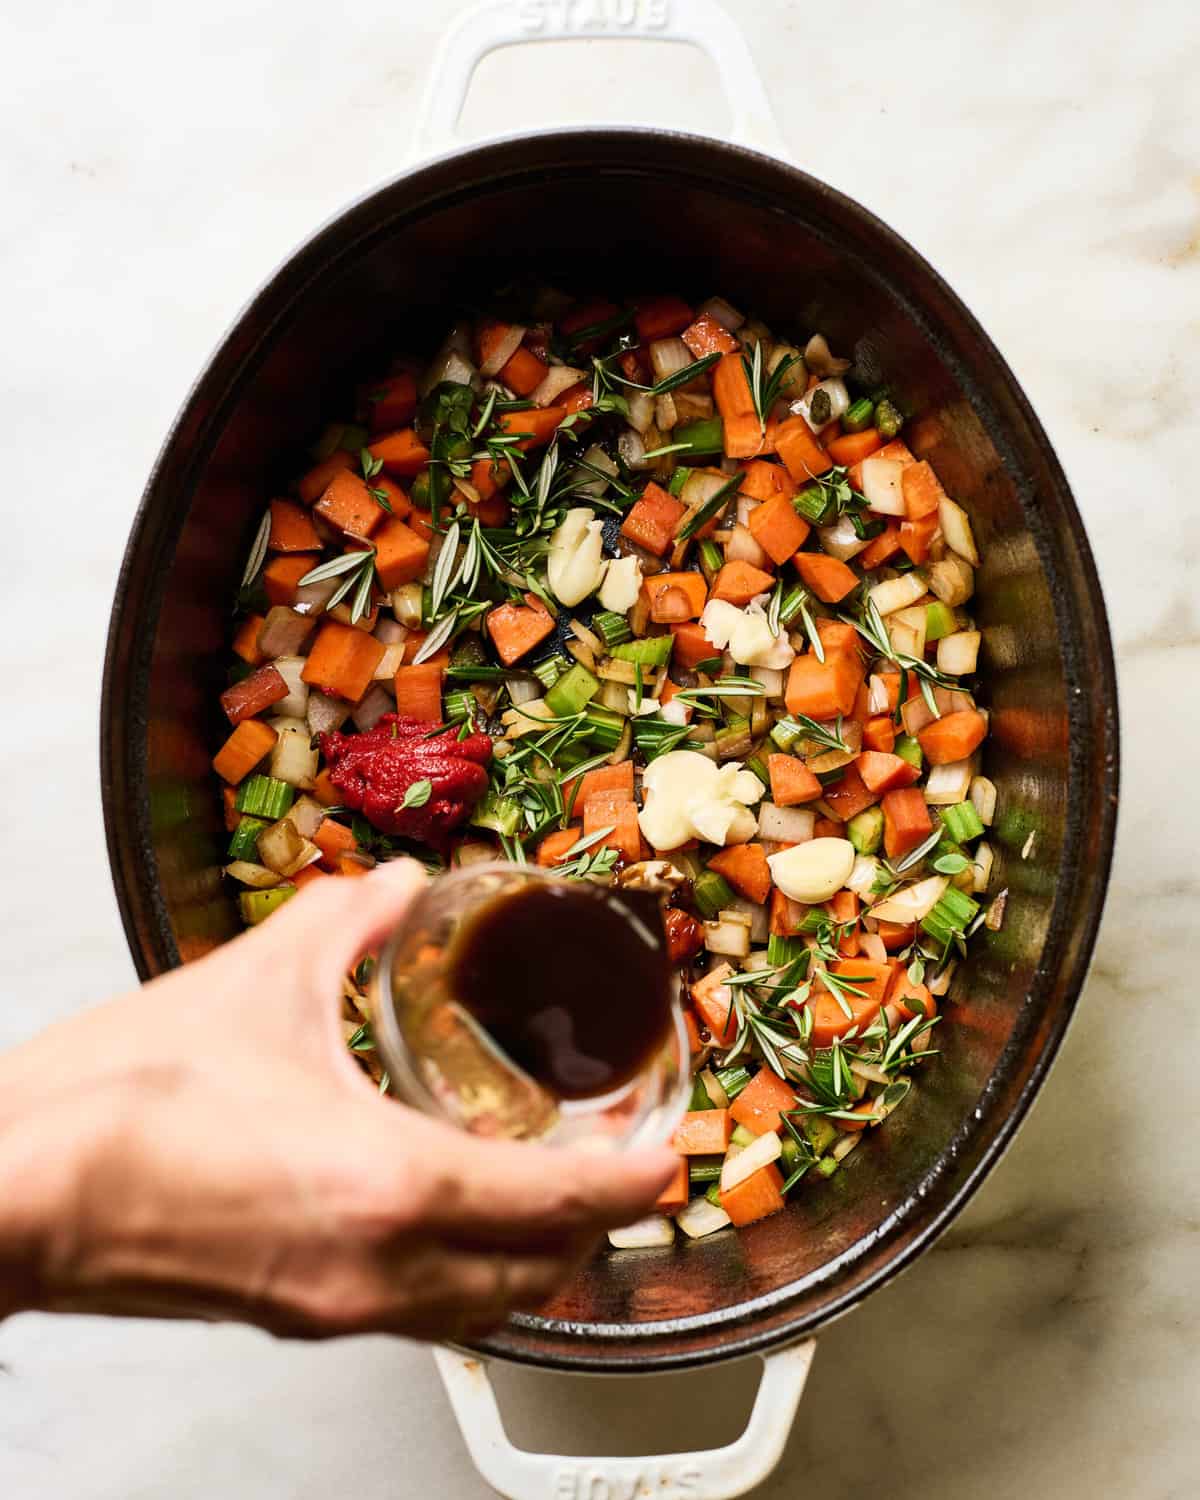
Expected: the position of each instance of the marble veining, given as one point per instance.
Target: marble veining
(158, 161)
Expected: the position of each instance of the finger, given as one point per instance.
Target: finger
(513, 1193)
(477, 1292)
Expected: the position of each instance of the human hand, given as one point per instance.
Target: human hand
(206, 1147)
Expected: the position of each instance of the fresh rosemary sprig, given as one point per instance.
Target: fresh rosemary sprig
(764, 388)
(357, 572)
(870, 626)
(258, 551)
(821, 734)
(713, 506)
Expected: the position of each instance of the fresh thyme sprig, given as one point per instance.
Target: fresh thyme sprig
(371, 469)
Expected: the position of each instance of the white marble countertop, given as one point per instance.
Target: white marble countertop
(158, 161)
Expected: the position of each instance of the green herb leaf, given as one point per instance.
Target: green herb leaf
(417, 795)
(258, 551)
(711, 507)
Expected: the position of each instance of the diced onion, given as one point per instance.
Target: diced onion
(503, 350)
(557, 379)
(983, 795)
(846, 1145)
(915, 714)
(949, 783)
(311, 598)
(897, 593)
(956, 528)
(522, 689)
(306, 815)
(741, 547)
(284, 632)
(641, 411)
(839, 403)
(939, 985)
(877, 695)
(761, 1152)
(752, 912)
(390, 632)
(295, 705)
(669, 355)
(786, 825)
(727, 937)
(371, 708)
(863, 874)
(771, 681)
(325, 714)
(952, 579)
(914, 621)
(746, 506)
(666, 414)
(981, 867)
(292, 760)
(724, 313)
(392, 658)
(592, 485)
(701, 1218)
(631, 449)
(280, 845)
(841, 540)
(406, 605)
(870, 945)
(958, 654)
(912, 903)
(257, 877)
(712, 1087)
(819, 360)
(699, 487)
(646, 1234)
(882, 485)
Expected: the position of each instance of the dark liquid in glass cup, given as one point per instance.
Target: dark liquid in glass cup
(516, 1003)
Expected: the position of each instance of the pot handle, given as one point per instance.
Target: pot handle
(711, 1474)
(492, 24)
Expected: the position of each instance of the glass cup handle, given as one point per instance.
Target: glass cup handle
(710, 1474)
(493, 24)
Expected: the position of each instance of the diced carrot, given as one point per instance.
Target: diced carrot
(333, 838)
(849, 795)
(618, 778)
(401, 452)
(703, 1132)
(865, 1112)
(922, 490)
(308, 875)
(524, 371)
(394, 495)
(763, 480)
(853, 447)
(516, 629)
(419, 521)
(342, 661)
(882, 772)
(756, 1197)
(669, 594)
(778, 528)
(791, 781)
(802, 454)
(491, 335)
(292, 529)
(281, 576)
(879, 733)
(843, 909)
(881, 548)
(895, 450)
(412, 649)
(242, 751)
(661, 317)
(743, 435)
(895, 935)
(576, 397)
(324, 790)
(822, 690)
(486, 477)
(539, 425)
(827, 828)
(349, 505)
(691, 646)
(731, 388)
(839, 638)
(635, 366)
(652, 520)
(229, 806)
(909, 997)
(786, 914)
(317, 480)
(349, 866)
(906, 821)
(253, 694)
(746, 869)
(953, 736)
(392, 403)
(738, 582)
(916, 537)
(706, 336)
(714, 1005)
(419, 691)
(612, 810)
(761, 1103)
(675, 1195)
(830, 579)
(553, 848)
(245, 640)
(856, 974)
(400, 554)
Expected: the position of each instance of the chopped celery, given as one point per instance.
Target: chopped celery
(613, 627)
(714, 1194)
(699, 1099)
(784, 950)
(813, 920)
(733, 1080)
(573, 691)
(678, 480)
(264, 797)
(908, 748)
(704, 436)
(459, 707)
(257, 906)
(650, 651)
(827, 1166)
(950, 916)
(244, 842)
(858, 415)
(733, 740)
(712, 559)
(703, 1169)
(962, 822)
(711, 893)
(502, 815)
(814, 504)
(784, 735)
(865, 830)
(818, 1131)
(939, 621)
(742, 1137)
(550, 669)
(792, 1156)
(604, 728)
(756, 764)
(889, 419)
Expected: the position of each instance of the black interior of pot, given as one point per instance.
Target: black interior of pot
(625, 211)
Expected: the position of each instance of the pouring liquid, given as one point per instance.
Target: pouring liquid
(569, 980)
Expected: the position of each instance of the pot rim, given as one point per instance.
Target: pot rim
(761, 1323)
